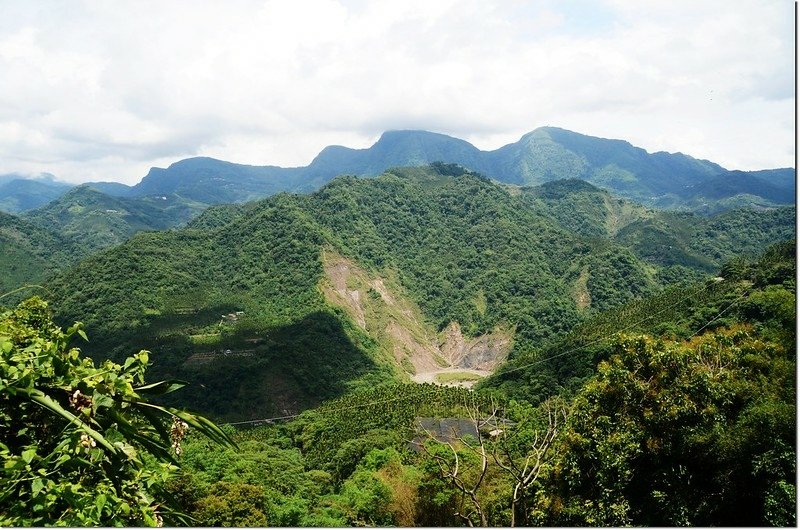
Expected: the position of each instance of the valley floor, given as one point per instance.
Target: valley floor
(460, 377)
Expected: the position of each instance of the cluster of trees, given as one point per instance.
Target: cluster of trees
(81, 445)
(463, 248)
(670, 430)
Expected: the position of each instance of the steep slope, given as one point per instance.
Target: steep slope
(297, 298)
(28, 253)
(381, 308)
(95, 220)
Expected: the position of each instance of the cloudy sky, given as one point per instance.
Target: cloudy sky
(102, 90)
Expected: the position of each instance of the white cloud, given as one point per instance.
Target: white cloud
(102, 90)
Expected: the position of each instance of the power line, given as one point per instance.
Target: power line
(719, 315)
(26, 286)
(392, 400)
(351, 407)
(589, 344)
(602, 339)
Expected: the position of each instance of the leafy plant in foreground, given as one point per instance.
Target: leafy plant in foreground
(81, 446)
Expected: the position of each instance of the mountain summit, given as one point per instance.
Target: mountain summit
(543, 155)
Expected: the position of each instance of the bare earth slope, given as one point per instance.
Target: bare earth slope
(380, 307)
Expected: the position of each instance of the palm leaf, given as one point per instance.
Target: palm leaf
(161, 387)
(52, 405)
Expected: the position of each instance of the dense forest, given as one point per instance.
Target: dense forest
(675, 409)
(624, 365)
(451, 245)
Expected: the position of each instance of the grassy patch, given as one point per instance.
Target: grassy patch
(452, 377)
(205, 339)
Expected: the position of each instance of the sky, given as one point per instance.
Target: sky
(102, 90)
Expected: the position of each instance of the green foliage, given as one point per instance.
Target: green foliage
(28, 253)
(324, 432)
(344, 463)
(93, 220)
(81, 446)
(671, 434)
(241, 505)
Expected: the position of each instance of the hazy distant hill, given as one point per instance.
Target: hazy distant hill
(732, 189)
(18, 194)
(214, 182)
(115, 189)
(95, 220)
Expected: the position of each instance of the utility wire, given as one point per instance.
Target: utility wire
(602, 339)
(26, 286)
(392, 400)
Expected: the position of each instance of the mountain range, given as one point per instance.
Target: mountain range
(667, 180)
(413, 274)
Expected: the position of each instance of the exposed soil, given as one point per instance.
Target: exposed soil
(395, 321)
(431, 377)
(583, 298)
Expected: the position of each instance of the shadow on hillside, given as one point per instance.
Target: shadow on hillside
(281, 371)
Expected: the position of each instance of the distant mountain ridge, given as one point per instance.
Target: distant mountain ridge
(660, 179)
(548, 153)
(18, 194)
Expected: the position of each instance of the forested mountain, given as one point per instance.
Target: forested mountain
(673, 410)
(546, 154)
(386, 277)
(29, 253)
(95, 220)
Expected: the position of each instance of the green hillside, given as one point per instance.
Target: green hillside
(95, 220)
(28, 253)
(450, 247)
(686, 396)
(676, 312)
